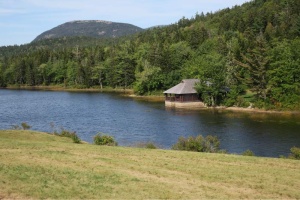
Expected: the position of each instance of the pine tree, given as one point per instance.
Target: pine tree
(256, 62)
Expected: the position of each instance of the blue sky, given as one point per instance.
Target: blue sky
(22, 20)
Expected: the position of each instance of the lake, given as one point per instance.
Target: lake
(132, 121)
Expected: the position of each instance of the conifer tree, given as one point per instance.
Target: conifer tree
(256, 62)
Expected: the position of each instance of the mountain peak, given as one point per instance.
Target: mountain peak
(90, 28)
(90, 21)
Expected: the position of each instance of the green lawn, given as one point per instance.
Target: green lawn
(37, 165)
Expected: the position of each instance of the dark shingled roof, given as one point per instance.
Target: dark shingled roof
(185, 87)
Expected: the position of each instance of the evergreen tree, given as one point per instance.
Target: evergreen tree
(256, 62)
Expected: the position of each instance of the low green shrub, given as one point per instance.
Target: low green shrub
(295, 153)
(101, 139)
(23, 126)
(248, 152)
(150, 145)
(147, 145)
(209, 144)
(69, 134)
(75, 138)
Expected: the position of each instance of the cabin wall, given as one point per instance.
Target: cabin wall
(182, 98)
(190, 97)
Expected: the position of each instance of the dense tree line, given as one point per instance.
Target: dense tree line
(253, 49)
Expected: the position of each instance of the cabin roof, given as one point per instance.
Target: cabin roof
(185, 87)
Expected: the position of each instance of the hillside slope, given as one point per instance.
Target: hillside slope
(90, 28)
(42, 166)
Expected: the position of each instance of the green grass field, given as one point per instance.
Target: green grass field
(37, 165)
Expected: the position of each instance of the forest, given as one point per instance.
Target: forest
(253, 49)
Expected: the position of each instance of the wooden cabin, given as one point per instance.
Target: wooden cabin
(183, 95)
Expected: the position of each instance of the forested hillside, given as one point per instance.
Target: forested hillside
(253, 49)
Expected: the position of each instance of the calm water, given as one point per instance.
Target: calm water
(132, 121)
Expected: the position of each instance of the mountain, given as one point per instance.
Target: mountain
(90, 28)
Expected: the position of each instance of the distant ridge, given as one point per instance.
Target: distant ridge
(90, 28)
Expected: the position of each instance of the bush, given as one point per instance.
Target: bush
(148, 145)
(69, 134)
(25, 126)
(101, 139)
(75, 138)
(248, 153)
(209, 144)
(295, 153)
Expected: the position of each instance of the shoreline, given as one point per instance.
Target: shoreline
(68, 89)
(256, 110)
(221, 109)
(155, 98)
(147, 98)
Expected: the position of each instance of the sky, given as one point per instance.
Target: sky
(23, 20)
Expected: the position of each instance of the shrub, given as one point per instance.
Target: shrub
(295, 153)
(209, 144)
(248, 153)
(65, 133)
(148, 145)
(25, 126)
(69, 134)
(75, 138)
(101, 139)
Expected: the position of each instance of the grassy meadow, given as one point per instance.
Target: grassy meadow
(36, 165)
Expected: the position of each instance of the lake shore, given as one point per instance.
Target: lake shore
(151, 98)
(255, 110)
(69, 89)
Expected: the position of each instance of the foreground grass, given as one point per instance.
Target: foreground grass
(37, 165)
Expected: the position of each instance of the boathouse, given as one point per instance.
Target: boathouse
(183, 95)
